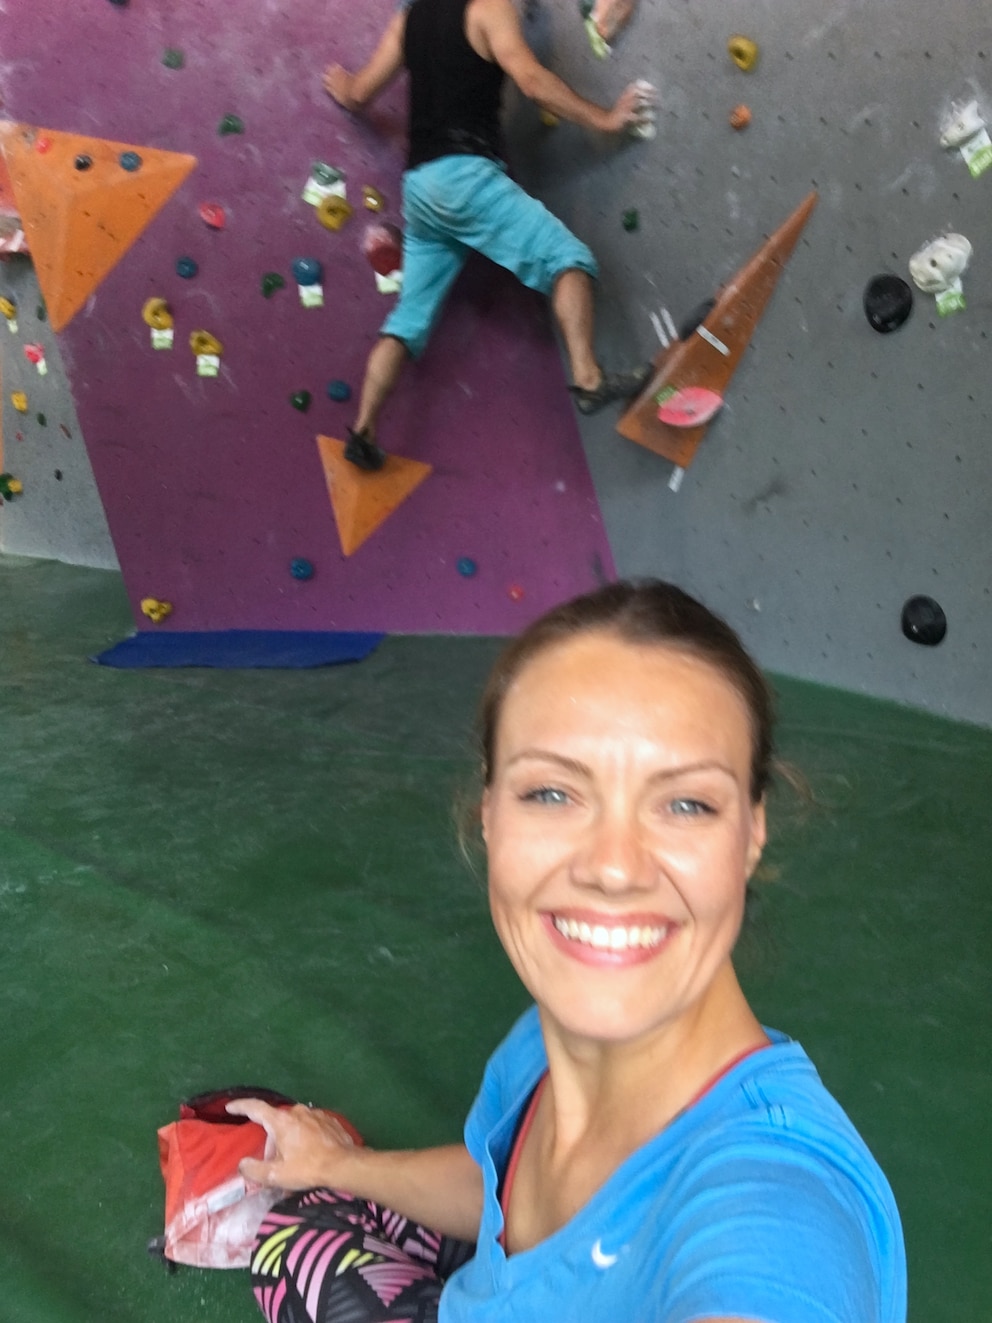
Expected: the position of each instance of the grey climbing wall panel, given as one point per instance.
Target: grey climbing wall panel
(60, 515)
(849, 470)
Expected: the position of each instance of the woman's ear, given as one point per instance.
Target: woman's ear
(759, 835)
(484, 807)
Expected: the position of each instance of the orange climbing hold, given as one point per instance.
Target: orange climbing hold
(712, 352)
(80, 219)
(364, 501)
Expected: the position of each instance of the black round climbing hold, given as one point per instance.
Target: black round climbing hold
(83, 162)
(888, 302)
(696, 318)
(923, 621)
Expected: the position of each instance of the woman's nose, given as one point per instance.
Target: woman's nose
(612, 856)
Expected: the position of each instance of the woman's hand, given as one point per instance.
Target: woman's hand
(308, 1145)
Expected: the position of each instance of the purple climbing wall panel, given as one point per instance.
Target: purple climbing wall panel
(213, 486)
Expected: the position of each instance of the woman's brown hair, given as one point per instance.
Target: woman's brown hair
(647, 612)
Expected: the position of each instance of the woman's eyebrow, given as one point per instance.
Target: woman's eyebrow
(546, 756)
(578, 768)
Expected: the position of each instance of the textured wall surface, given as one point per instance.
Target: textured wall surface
(849, 470)
(59, 515)
(212, 487)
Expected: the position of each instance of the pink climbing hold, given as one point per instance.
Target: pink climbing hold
(213, 214)
(689, 407)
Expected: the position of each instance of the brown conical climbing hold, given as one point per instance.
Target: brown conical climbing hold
(81, 208)
(363, 501)
(709, 357)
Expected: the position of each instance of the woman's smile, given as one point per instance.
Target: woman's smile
(601, 939)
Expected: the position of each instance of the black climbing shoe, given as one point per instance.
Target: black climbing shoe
(363, 452)
(614, 386)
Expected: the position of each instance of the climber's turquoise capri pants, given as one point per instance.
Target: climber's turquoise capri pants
(459, 203)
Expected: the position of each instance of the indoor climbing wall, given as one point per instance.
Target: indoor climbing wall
(846, 473)
(849, 470)
(210, 319)
(58, 513)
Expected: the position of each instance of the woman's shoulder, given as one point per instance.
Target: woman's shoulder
(776, 1096)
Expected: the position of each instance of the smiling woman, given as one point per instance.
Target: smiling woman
(641, 1148)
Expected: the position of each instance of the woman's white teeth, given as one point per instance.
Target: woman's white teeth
(610, 939)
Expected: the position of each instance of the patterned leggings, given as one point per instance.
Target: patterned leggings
(322, 1256)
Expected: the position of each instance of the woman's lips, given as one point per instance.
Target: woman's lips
(598, 939)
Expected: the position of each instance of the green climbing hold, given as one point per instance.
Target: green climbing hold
(42, 420)
(173, 58)
(42, 314)
(324, 174)
(631, 220)
(230, 124)
(272, 281)
(301, 400)
(585, 9)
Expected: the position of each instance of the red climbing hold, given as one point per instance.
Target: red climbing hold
(689, 407)
(382, 244)
(212, 214)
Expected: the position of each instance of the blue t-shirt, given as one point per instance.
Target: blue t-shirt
(760, 1201)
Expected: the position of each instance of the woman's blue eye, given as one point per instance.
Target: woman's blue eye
(546, 795)
(689, 807)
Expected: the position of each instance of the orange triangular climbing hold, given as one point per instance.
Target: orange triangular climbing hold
(83, 202)
(711, 354)
(363, 501)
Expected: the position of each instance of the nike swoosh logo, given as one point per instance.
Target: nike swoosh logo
(602, 1259)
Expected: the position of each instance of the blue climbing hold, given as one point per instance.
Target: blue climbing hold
(467, 567)
(301, 569)
(186, 268)
(307, 270)
(339, 390)
(130, 161)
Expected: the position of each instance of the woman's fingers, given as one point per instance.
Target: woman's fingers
(262, 1173)
(255, 1110)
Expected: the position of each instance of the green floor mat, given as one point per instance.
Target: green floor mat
(210, 878)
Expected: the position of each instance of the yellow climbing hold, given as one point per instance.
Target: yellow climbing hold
(333, 212)
(156, 314)
(20, 401)
(155, 610)
(743, 51)
(549, 119)
(8, 308)
(202, 342)
(373, 199)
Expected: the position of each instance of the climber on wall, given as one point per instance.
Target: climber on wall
(457, 195)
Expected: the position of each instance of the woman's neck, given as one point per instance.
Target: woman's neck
(635, 1088)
